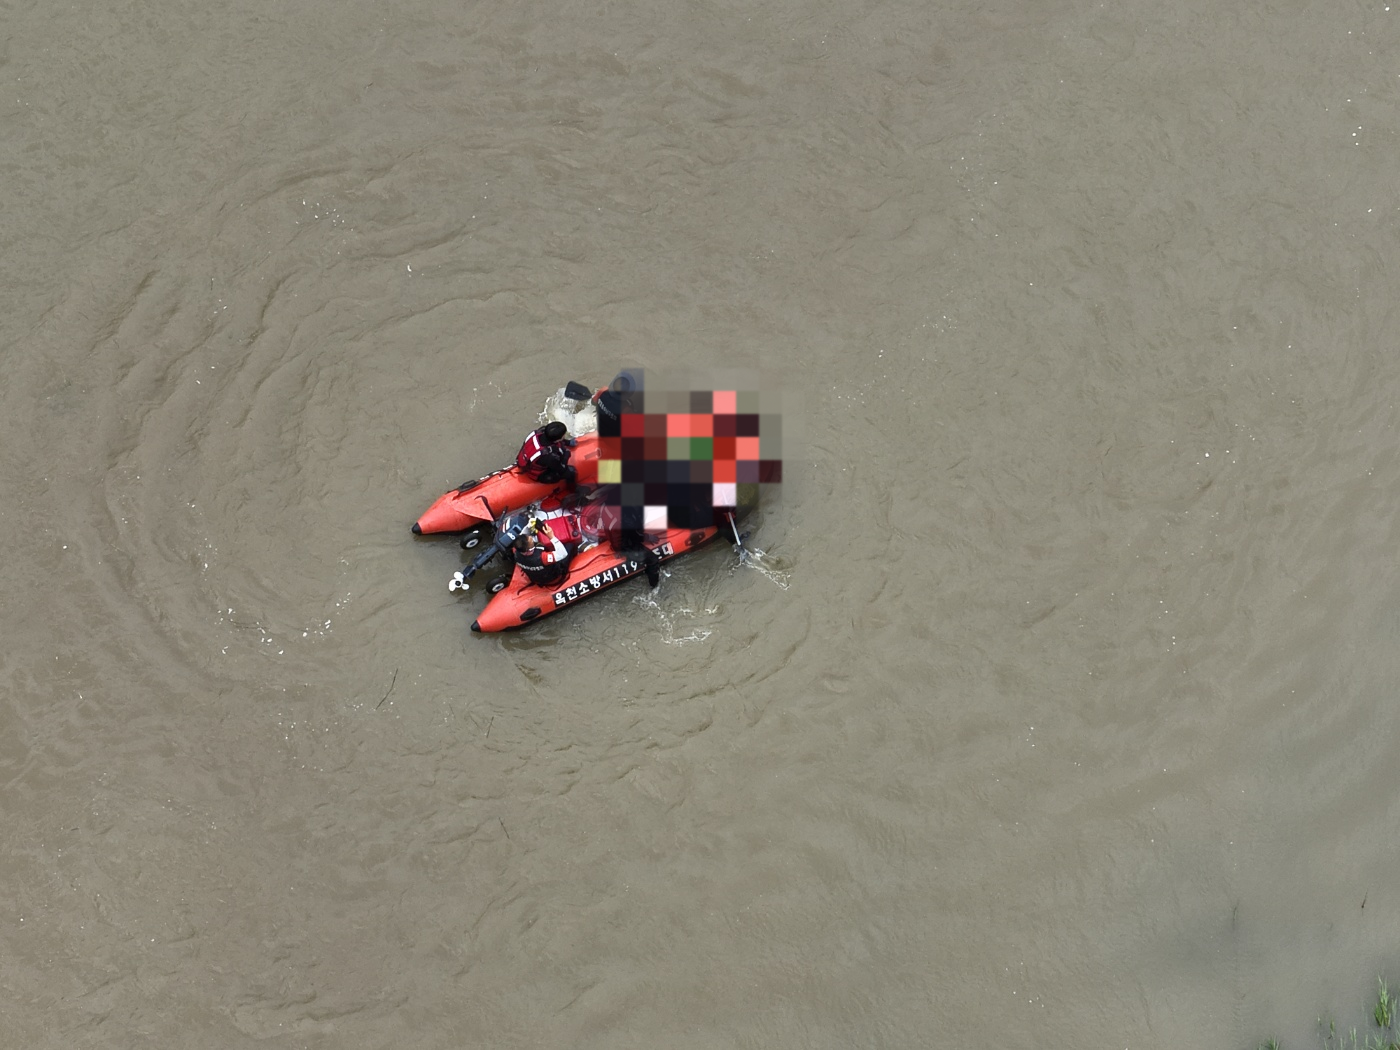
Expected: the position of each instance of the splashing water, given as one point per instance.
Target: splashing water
(758, 559)
(581, 417)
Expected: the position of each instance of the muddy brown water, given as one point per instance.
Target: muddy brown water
(1066, 714)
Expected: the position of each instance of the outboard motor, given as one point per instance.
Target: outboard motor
(508, 527)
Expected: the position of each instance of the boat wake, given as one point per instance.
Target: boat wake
(766, 565)
(669, 620)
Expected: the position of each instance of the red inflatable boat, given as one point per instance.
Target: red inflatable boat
(486, 499)
(498, 508)
(517, 601)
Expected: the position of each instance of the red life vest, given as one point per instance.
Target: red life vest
(557, 540)
(563, 523)
(537, 456)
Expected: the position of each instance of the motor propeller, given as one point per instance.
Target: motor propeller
(507, 529)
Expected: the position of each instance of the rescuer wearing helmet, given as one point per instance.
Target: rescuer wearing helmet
(544, 550)
(544, 456)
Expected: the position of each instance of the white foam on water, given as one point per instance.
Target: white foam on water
(579, 417)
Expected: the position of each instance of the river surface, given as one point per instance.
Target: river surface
(1063, 711)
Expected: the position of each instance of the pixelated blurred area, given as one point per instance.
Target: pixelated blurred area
(683, 458)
